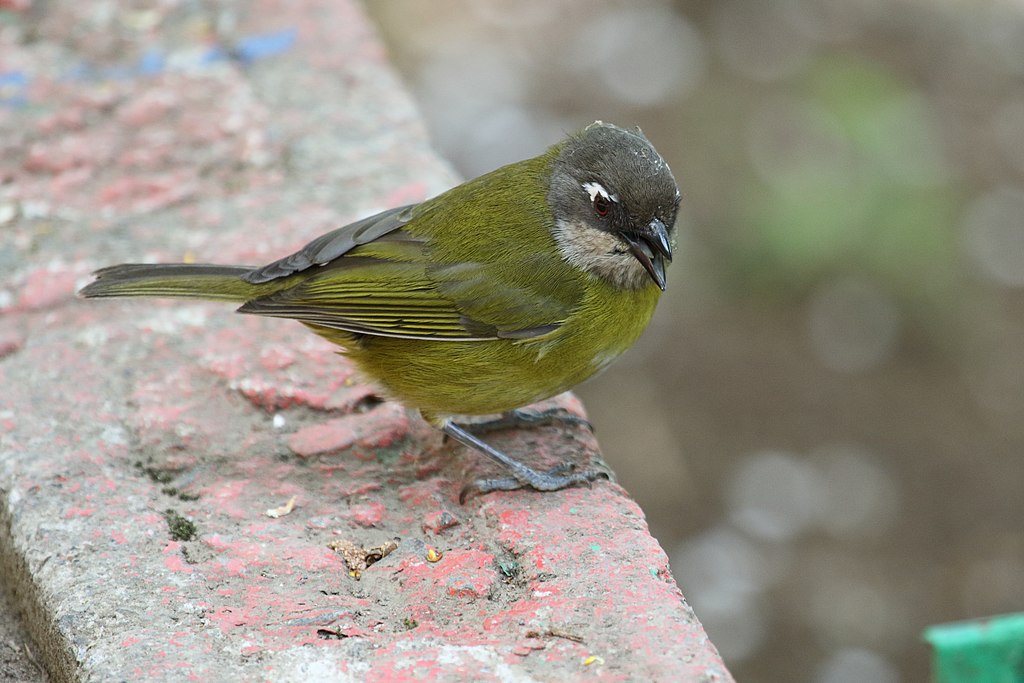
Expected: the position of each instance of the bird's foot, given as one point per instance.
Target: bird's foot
(558, 477)
(523, 476)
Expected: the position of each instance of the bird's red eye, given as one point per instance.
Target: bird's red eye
(601, 205)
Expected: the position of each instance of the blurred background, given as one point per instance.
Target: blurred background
(825, 422)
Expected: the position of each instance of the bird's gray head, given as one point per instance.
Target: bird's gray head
(614, 202)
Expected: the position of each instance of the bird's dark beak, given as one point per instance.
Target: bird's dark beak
(651, 246)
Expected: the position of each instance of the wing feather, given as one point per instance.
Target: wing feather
(334, 244)
(375, 277)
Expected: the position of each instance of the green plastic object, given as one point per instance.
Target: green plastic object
(987, 650)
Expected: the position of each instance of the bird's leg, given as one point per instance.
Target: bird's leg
(558, 477)
(515, 419)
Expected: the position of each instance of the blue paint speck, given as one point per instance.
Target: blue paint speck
(265, 45)
(152, 62)
(13, 88)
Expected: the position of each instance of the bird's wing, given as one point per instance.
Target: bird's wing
(393, 286)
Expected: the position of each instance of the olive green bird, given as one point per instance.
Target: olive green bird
(503, 291)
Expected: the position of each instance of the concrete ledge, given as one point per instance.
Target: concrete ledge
(143, 443)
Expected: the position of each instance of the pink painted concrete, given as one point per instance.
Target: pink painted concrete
(143, 140)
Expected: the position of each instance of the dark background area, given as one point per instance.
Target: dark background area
(824, 421)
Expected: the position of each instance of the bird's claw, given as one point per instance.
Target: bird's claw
(558, 477)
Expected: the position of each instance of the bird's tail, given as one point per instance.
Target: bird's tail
(178, 280)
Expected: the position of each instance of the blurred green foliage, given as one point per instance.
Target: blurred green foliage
(886, 209)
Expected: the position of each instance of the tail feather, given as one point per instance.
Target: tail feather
(177, 280)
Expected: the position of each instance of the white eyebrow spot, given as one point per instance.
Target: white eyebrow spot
(594, 189)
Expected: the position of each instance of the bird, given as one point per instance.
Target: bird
(501, 292)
